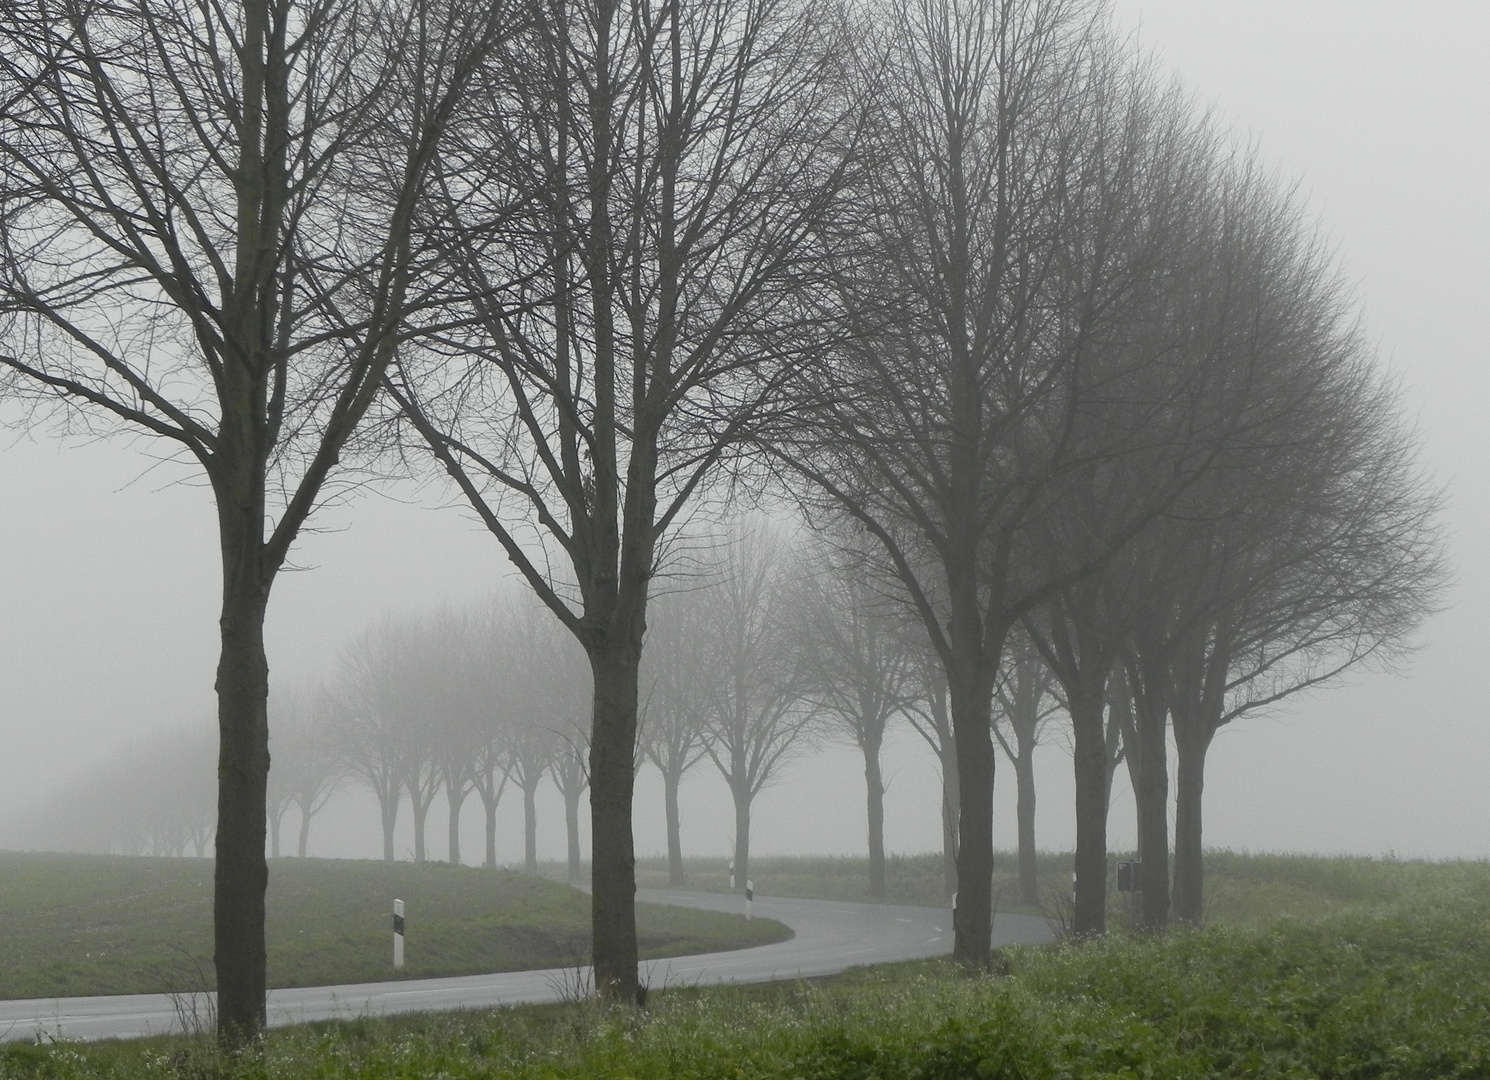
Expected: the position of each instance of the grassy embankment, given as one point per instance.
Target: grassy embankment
(1392, 981)
(78, 924)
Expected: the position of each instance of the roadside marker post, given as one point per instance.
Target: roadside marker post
(749, 896)
(398, 935)
(732, 875)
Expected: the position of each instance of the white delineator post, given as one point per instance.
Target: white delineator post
(398, 935)
(749, 896)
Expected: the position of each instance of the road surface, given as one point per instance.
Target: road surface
(829, 937)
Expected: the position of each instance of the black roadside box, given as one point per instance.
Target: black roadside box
(1127, 875)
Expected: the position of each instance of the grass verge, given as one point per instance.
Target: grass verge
(85, 924)
(1399, 991)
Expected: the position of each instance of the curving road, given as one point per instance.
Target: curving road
(829, 937)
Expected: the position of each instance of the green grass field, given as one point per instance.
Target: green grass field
(84, 924)
(1391, 981)
(1240, 887)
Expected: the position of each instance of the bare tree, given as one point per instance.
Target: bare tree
(858, 663)
(1340, 571)
(278, 795)
(1013, 229)
(151, 796)
(547, 691)
(637, 223)
(572, 778)
(487, 686)
(531, 750)
(454, 731)
(674, 707)
(206, 239)
(369, 720)
(928, 714)
(419, 776)
(757, 711)
(1023, 703)
(307, 770)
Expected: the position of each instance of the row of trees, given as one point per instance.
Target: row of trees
(966, 276)
(153, 796)
(1106, 391)
(743, 669)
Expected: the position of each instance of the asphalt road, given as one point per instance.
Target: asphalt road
(829, 937)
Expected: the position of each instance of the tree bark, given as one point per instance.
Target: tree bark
(951, 802)
(1089, 917)
(741, 792)
(530, 825)
(490, 796)
(1024, 779)
(1152, 798)
(1189, 870)
(421, 815)
(946, 749)
(490, 807)
(615, 661)
(455, 798)
(671, 782)
(241, 874)
(875, 788)
(490, 793)
(972, 918)
(571, 829)
(388, 805)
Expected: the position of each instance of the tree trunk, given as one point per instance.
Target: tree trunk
(670, 784)
(489, 805)
(530, 826)
(740, 789)
(388, 804)
(972, 918)
(1189, 875)
(875, 787)
(455, 797)
(951, 799)
(1116, 747)
(615, 665)
(241, 875)
(1089, 917)
(1024, 779)
(420, 808)
(1152, 797)
(571, 829)
(304, 831)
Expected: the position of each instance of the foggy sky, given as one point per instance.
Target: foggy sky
(108, 575)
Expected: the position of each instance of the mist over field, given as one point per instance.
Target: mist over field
(108, 594)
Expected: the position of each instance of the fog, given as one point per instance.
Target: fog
(108, 575)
